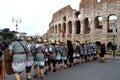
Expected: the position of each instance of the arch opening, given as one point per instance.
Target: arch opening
(70, 27)
(112, 22)
(78, 26)
(98, 22)
(86, 26)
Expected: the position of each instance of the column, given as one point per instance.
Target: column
(73, 30)
(104, 30)
(118, 30)
(92, 29)
(82, 27)
(66, 30)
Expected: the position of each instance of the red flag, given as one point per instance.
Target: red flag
(63, 33)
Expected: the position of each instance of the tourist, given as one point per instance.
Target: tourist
(114, 47)
(102, 52)
(70, 52)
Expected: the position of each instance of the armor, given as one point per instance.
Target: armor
(39, 55)
(19, 56)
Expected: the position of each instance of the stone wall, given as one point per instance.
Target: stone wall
(90, 11)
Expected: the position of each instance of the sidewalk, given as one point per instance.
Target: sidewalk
(117, 57)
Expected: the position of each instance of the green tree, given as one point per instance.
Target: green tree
(6, 30)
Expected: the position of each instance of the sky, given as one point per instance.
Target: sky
(35, 15)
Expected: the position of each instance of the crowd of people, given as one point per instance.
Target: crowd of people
(49, 56)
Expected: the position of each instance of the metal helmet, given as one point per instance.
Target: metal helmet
(44, 41)
(76, 43)
(52, 41)
(39, 40)
(29, 39)
(17, 37)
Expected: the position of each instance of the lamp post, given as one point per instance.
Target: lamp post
(16, 21)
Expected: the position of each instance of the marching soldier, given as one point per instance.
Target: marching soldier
(64, 54)
(53, 51)
(77, 53)
(39, 62)
(18, 54)
(58, 56)
(46, 56)
(30, 58)
(85, 51)
(90, 51)
(81, 52)
(39, 59)
(94, 51)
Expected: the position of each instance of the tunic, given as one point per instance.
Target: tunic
(30, 58)
(19, 56)
(39, 56)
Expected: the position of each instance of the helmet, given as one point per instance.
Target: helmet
(76, 43)
(29, 39)
(44, 41)
(39, 40)
(52, 41)
(17, 36)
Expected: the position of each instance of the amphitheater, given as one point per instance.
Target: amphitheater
(92, 22)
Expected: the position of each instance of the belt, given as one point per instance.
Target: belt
(39, 53)
(19, 53)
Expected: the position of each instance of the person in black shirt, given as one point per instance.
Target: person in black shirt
(102, 52)
(70, 52)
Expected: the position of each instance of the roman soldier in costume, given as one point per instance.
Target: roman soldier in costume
(64, 54)
(58, 56)
(18, 54)
(53, 51)
(30, 58)
(39, 59)
(77, 52)
(45, 43)
(84, 52)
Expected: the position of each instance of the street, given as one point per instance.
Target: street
(85, 71)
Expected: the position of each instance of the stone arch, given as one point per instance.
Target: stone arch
(109, 45)
(78, 26)
(98, 21)
(64, 27)
(64, 18)
(98, 1)
(98, 43)
(112, 18)
(70, 27)
(86, 25)
(59, 28)
(77, 14)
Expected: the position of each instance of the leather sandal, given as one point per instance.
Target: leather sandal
(35, 76)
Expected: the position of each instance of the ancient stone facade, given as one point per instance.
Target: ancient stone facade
(93, 21)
